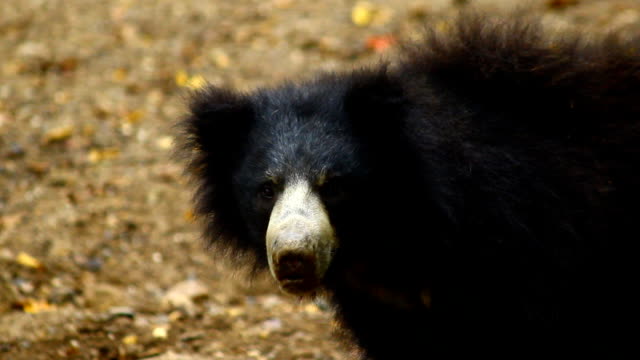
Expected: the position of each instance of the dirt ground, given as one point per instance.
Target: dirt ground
(99, 254)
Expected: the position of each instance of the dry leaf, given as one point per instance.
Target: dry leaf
(27, 260)
(134, 116)
(38, 167)
(311, 309)
(181, 78)
(365, 13)
(57, 134)
(190, 216)
(119, 75)
(196, 82)
(165, 142)
(193, 82)
(160, 332)
(67, 64)
(98, 155)
(130, 340)
(362, 13)
(33, 306)
(220, 58)
(235, 311)
(175, 316)
(380, 43)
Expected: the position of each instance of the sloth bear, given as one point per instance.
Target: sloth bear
(481, 195)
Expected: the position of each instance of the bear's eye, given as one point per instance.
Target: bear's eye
(266, 191)
(334, 190)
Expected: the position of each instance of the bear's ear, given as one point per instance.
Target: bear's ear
(375, 100)
(376, 104)
(212, 140)
(217, 125)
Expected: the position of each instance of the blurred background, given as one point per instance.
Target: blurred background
(99, 254)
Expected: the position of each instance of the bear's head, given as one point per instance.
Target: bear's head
(291, 176)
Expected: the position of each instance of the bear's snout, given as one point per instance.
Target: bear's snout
(300, 240)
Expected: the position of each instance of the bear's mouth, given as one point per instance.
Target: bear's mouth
(296, 273)
(299, 287)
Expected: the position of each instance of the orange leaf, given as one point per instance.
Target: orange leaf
(380, 43)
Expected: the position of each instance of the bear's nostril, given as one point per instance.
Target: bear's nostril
(295, 266)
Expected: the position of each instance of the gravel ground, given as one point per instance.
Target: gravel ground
(99, 254)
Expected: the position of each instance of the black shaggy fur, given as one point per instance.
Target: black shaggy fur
(486, 188)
